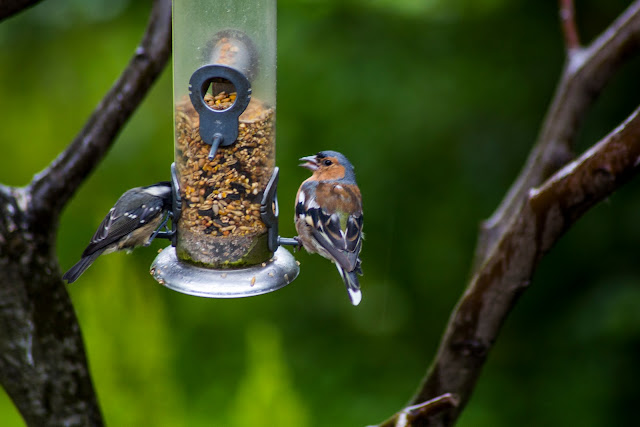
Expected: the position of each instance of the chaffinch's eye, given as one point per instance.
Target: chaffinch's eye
(327, 162)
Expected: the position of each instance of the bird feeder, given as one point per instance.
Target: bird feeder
(224, 239)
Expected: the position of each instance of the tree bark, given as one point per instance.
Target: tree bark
(547, 214)
(586, 72)
(545, 200)
(43, 365)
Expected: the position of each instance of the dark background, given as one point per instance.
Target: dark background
(437, 105)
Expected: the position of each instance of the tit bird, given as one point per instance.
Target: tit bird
(130, 223)
(329, 215)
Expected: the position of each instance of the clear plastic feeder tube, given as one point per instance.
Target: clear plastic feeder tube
(220, 225)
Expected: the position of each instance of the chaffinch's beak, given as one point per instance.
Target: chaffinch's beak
(309, 163)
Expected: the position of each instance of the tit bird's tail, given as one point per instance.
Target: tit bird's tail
(350, 279)
(79, 268)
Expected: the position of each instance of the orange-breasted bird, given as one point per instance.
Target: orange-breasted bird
(329, 215)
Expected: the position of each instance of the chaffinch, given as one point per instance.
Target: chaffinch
(329, 215)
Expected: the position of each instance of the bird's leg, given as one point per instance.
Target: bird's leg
(158, 232)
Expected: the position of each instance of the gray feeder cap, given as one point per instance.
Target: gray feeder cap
(189, 279)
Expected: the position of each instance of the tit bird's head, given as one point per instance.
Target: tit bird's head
(161, 189)
(329, 166)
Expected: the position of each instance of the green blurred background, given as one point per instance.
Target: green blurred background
(437, 104)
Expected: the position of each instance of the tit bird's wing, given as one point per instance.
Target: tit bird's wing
(121, 220)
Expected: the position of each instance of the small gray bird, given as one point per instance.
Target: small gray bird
(130, 223)
(329, 216)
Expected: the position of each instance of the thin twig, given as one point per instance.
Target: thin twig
(421, 411)
(53, 187)
(569, 27)
(9, 8)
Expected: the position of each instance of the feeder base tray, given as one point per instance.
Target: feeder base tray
(189, 279)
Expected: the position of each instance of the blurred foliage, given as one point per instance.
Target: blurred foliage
(437, 104)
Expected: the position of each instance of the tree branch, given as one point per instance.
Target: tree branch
(43, 365)
(529, 221)
(544, 217)
(8, 8)
(411, 414)
(569, 28)
(53, 187)
(585, 74)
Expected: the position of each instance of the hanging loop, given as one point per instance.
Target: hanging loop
(218, 128)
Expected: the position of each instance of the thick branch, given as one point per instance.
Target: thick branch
(546, 214)
(52, 188)
(585, 74)
(9, 8)
(43, 365)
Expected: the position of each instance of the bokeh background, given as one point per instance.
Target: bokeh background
(437, 104)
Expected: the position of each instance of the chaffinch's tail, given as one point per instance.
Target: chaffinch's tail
(350, 279)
